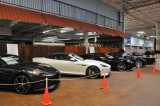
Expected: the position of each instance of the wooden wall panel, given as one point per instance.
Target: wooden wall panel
(75, 49)
(81, 50)
(106, 50)
(3, 48)
(28, 51)
(42, 50)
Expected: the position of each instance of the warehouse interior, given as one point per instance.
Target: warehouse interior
(39, 32)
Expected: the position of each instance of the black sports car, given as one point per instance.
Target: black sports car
(119, 64)
(149, 56)
(138, 61)
(18, 73)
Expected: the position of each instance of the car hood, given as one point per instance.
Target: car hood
(95, 62)
(32, 66)
(29, 65)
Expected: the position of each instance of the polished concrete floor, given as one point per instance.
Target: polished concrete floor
(124, 90)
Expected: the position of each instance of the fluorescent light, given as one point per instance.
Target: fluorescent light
(92, 33)
(138, 35)
(66, 29)
(13, 23)
(64, 39)
(152, 36)
(49, 31)
(141, 32)
(79, 33)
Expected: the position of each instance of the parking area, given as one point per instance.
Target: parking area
(124, 90)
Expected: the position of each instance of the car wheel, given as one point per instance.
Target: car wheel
(121, 66)
(93, 72)
(22, 85)
(138, 63)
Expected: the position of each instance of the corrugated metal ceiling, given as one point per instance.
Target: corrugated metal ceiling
(140, 15)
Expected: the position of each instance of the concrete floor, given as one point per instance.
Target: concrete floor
(124, 90)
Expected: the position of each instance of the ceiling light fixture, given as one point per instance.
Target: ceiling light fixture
(138, 35)
(79, 33)
(66, 29)
(13, 23)
(141, 32)
(92, 33)
(49, 31)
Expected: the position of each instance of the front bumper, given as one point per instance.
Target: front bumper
(130, 66)
(53, 82)
(105, 71)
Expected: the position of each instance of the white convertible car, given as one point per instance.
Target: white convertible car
(68, 63)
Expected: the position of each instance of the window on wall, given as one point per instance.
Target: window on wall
(119, 17)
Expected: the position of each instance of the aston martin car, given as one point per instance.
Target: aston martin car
(25, 77)
(138, 62)
(119, 64)
(69, 63)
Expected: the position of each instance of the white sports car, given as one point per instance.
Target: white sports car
(68, 63)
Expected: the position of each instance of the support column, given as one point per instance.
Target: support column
(157, 37)
(157, 46)
(86, 43)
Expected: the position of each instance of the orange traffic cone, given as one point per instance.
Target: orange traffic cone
(46, 99)
(104, 83)
(154, 69)
(138, 73)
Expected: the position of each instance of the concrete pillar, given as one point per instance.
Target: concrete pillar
(157, 36)
(86, 43)
(157, 46)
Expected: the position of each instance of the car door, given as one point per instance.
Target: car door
(54, 61)
(5, 74)
(68, 66)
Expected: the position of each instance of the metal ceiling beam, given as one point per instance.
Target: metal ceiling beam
(32, 28)
(112, 2)
(143, 5)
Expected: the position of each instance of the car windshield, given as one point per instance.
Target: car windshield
(76, 57)
(11, 60)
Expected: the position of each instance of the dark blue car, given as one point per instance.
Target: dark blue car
(138, 62)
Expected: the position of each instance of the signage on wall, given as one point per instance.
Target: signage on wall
(12, 49)
(91, 50)
(127, 40)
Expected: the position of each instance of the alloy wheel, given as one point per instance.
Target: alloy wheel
(21, 84)
(93, 72)
(121, 66)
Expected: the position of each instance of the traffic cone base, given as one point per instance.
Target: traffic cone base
(138, 77)
(45, 104)
(104, 83)
(46, 99)
(105, 88)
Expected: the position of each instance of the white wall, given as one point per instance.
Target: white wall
(137, 45)
(140, 42)
(136, 41)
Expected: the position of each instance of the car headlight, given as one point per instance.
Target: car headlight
(103, 65)
(37, 72)
(128, 60)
